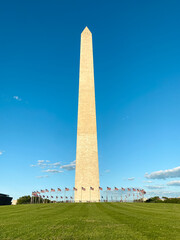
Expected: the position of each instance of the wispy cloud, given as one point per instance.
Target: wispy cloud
(1, 152)
(17, 98)
(149, 181)
(47, 164)
(45, 176)
(107, 171)
(53, 171)
(154, 187)
(40, 161)
(163, 174)
(32, 165)
(70, 166)
(162, 193)
(174, 183)
(131, 179)
(56, 164)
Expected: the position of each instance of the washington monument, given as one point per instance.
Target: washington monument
(87, 168)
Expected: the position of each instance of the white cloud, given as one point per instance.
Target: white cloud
(42, 164)
(17, 98)
(53, 171)
(107, 171)
(52, 167)
(1, 152)
(40, 161)
(70, 166)
(174, 183)
(131, 179)
(162, 193)
(56, 164)
(45, 176)
(163, 174)
(155, 187)
(148, 181)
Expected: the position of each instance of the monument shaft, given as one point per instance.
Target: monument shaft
(87, 169)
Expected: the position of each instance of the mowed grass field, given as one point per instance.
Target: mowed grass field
(90, 221)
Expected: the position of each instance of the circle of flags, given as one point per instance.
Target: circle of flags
(67, 194)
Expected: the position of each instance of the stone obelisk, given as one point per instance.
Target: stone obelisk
(87, 168)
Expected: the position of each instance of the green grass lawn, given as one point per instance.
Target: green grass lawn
(90, 221)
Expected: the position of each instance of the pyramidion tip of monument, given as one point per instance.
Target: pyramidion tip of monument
(86, 31)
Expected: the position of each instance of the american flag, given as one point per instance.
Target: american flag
(83, 189)
(108, 188)
(75, 189)
(115, 188)
(42, 191)
(71, 197)
(38, 192)
(100, 188)
(143, 192)
(47, 190)
(51, 196)
(123, 189)
(59, 189)
(134, 189)
(52, 190)
(66, 197)
(66, 189)
(61, 197)
(129, 189)
(43, 196)
(56, 196)
(47, 197)
(91, 188)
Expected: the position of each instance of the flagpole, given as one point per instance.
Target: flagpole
(81, 194)
(90, 194)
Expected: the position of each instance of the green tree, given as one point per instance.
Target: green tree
(24, 200)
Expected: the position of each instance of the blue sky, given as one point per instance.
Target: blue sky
(137, 79)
